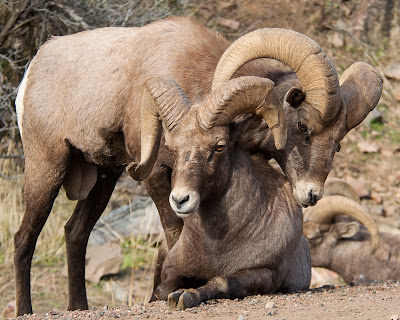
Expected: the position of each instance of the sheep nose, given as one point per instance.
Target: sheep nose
(180, 201)
(313, 198)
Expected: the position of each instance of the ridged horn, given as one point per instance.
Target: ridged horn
(332, 206)
(303, 55)
(337, 186)
(161, 97)
(245, 95)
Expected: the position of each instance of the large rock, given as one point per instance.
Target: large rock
(103, 260)
(140, 219)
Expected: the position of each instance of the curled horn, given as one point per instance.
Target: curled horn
(161, 98)
(336, 186)
(245, 95)
(314, 69)
(332, 206)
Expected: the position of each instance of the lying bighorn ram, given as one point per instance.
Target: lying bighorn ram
(242, 231)
(79, 114)
(345, 247)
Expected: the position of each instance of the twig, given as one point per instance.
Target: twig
(6, 31)
(16, 156)
(11, 177)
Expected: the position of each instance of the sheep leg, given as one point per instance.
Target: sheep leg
(238, 285)
(162, 253)
(77, 231)
(43, 179)
(158, 185)
(172, 282)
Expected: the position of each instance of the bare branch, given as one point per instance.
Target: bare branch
(5, 32)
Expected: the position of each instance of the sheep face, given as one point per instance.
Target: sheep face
(311, 143)
(307, 158)
(198, 136)
(201, 166)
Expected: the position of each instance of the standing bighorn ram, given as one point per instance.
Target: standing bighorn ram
(342, 245)
(79, 111)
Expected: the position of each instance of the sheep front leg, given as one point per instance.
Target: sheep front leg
(238, 285)
(158, 185)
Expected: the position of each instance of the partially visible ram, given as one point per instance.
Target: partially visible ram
(345, 246)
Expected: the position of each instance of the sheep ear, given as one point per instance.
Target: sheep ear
(347, 230)
(311, 230)
(295, 96)
(361, 88)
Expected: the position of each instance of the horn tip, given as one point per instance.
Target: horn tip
(375, 242)
(137, 171)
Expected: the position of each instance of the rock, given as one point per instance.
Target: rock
(359, 279)
(225, 5)
(119, 292)
(322, 276)
(270, 305)
(337, 39)
(376, 210)
(368, 147)
(361, 186)
(9, 310)
(392, 71)
(140, 219)
(229, 23)
(377, 198)
(103, 260)
(396, 93)
(394, 317)
(374, 116)
(240, 317)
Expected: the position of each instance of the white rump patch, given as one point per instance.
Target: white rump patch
(19, 101)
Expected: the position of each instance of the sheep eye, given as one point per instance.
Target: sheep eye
(219, 147)
(301, 127)
(338, 147)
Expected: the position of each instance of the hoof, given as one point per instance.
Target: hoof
(185, 301)
(173, 299)
(181, 299)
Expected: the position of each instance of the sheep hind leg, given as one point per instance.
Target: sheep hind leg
(43, 179)
(77, 231)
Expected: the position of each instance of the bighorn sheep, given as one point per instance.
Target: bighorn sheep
(345, 247)
(232, 245)
(79, 113)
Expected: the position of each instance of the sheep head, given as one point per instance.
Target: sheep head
(324, 233)
(319, 112)
(308, 156)
(198, 136)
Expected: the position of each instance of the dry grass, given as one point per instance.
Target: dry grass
(51, 239)
(49, 258)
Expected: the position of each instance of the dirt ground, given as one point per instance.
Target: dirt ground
(374, 301)
(375, 174)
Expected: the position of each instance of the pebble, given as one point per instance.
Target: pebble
(396, 93)
(270, 305)
(393, 71)
(394, 317)
(368, 147)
